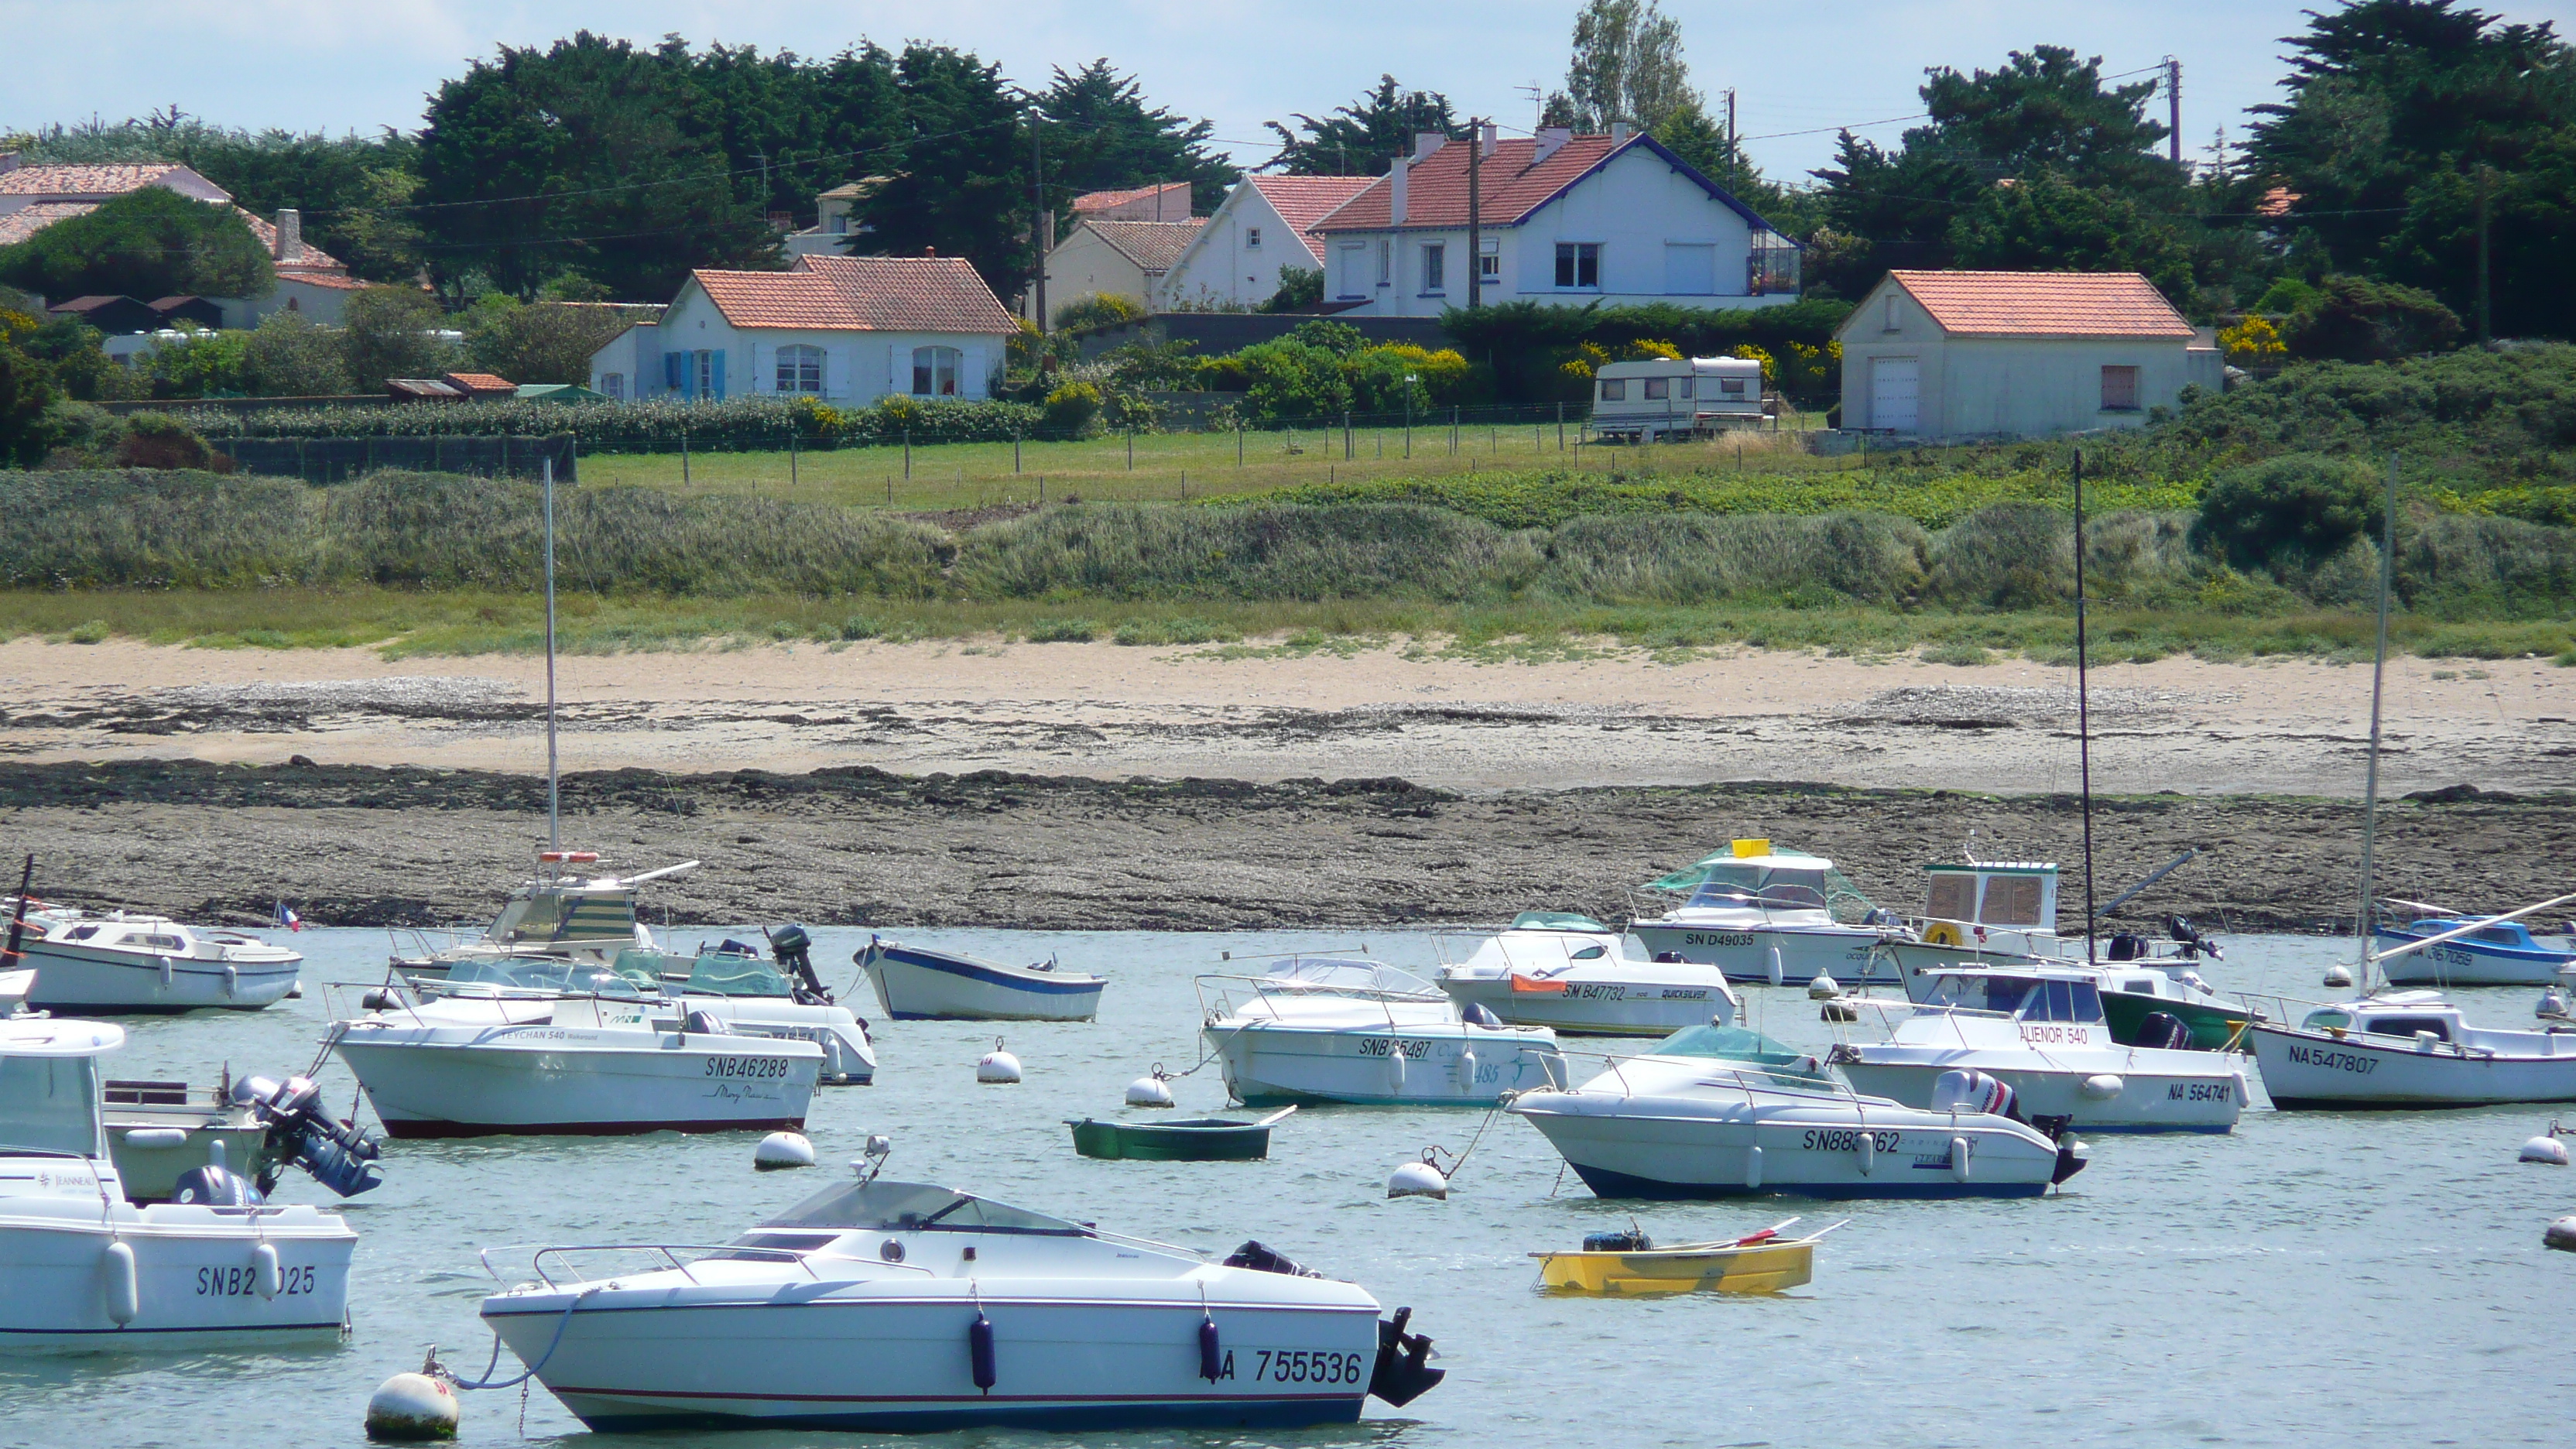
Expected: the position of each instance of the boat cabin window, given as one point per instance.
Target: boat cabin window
(1726, 1043)
(1742, 886)
(2327, 1019)
(521, 973)
(777, 1242)
(1954, 898)
(49, 1105)
(1592, 952)
(2063, 1001)
(2407, 1026)
(2012, 900)
(165, 943)
(2000, 994)
(2500, 935)
(916, 1207)
(1556, 921)
(80, 933)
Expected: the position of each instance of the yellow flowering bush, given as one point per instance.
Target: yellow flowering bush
(2253, 340)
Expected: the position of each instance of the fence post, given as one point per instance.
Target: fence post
(1346, 432)
(1015, 456)
(1560, 427)
(1453, 432)
(1238, 444)
(907, 455)
(684, 457)
(1131, 450)
(791, 462)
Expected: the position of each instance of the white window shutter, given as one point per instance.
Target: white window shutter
(764, 368)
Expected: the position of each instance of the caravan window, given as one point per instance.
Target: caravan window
(1731, 386)
(1658, 388)
(1614, 389)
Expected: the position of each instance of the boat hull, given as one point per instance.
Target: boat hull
(1637, 1147)
(1171, 1141)
(1765, 1268)
(913, 984)
(197, 1286)
(1594, 1008)
(71, 980)
(2305, 1070)
(540, 1080)
(2470, 963)
(2158, 1101)
(1849, 956)
(2213, 1028)
(1267, 1064)
(897, 1359)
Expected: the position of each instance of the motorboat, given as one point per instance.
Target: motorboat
(1322, 1029)
(1675, 1124)
(2481, 951)
(89, 1271)
(114, 963)
(1761, 914)
(563, 913)
(1572, 974)
(2042, 1032)
(160, 1132)
(907, 1307)
(1631, 1264)
(608, 1062)
(2410, 1049)
(917, 983)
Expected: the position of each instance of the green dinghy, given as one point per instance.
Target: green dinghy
(1195, 1139)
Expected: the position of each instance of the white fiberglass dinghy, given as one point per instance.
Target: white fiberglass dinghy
(1680, 1122)
(116, 963)
(86, 1271)
(468, 1066)
(916, 983)
(1764, 915)
(2411, 1049)
(1570, 973)
(2042, 1033)
(904, 1307)
(1314, 1029)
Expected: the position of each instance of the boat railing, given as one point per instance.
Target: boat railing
(670, 1255)
(1748, 1079)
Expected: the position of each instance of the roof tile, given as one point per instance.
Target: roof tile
(2044, 304)
(1512, 184)
(1158, 194)
(861, 294)
(1302, 201)
(112, 179)
(1153, 245)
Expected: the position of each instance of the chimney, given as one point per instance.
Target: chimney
(8, 162)
(1551, 139)
(1487, 138)
(290, 232)
(1620, 131)
(1426, 142)
(1395, 189)
(930, 251)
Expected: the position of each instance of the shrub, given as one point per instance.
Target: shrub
(2301, 509)
(1073, 409)
(1338, 338)
(289, 356)
(1063, 631)
(393, 332)
(26, 392)
(150, 242)
(2254, 341)
(1096, 310)
(202, 364)
(2353, 319)
(157, 440)
(1300, 289)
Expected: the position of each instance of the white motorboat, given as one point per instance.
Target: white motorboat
(1572, 974)
(118, 963)
(916, 983)
(1317, 1029)
(2410, 1049)
(1691, 1119)
(2042, 1032)
(87, 1271)
(470, 1066)
(562, 914)
(1766, 915)
(904, 1307)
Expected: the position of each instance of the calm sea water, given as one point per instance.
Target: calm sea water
(2311, 1279)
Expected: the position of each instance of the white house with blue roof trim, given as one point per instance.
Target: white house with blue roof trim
(1561, 218)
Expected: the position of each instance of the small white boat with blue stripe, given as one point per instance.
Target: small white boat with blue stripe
(917, 983)
(2482, 951)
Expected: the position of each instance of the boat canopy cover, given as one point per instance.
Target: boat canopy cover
(1689, 877)
(1324, 973)
(727, 973)
(913, 1207)
(1556, 921)
(539, 973)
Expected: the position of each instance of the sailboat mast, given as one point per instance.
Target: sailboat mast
(554, 792)
(2083, 710)
(2368, 944)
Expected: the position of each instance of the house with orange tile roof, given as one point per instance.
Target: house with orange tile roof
(1111, 258)
(845, 330)
(1164, 201)
(1253, 239)
(2017, 354)
(1556, 218)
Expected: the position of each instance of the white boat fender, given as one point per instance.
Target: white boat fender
(2560, 1235)
(232, 980)
(2545, 1148)
(120, 1283)
(997, 1067)
(1823, 988)
(266, 1273)
(2338, 975)
(1776, 972)
(1753, 1167)
(1467, 1070)
(1418, 1179)
(781, 1150)
(1211, 1349)
(2102, 1087)
(1959, 1158)
(413, 1406)
(979, 1352)
(1865, 1148)
(164, 962)
(1151, 1091)
(1395, 1068)
(156, 1137)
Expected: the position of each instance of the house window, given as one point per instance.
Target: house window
(1252, 237)
(800, 369)
(1890, 323)
(1385, 255)
(2119, 389)
(1658, 388)
(840, 225)
(1614, 389)
(934, 371)
(1351, 264)
(1578, 264)
(612, 386)
(1435, 268)
(706, 375)
(1489, 260)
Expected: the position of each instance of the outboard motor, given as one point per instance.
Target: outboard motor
(2194, 944)
(213, 1186)
(2128, 946)
(1260, 1259)
(1403, 1373)
(2164, 1031)
(794, 952)
(2071, 1154)
(1632, 1241)
(1963, 1091)
(340, 1155)
(1476, 1013)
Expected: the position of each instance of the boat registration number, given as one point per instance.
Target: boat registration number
(1843, 1139)
(1612, 991)
(1717, 938)
(1297, 1366)
(746, 1067)
(243, 1281)
(1387, 1046)
(2200, 1092)
(2341, 1061)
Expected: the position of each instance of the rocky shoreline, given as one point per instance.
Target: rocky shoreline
(359, 845)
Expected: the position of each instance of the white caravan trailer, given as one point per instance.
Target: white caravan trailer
(1661, 398)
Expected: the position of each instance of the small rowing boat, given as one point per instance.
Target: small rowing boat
(1200, 1139)
(1621, 1264)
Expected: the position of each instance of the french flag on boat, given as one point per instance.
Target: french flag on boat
(286, 917)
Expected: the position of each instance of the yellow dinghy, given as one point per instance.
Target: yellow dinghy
(1627, 1264)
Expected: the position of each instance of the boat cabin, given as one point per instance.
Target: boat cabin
(2068, 996)
(49, 1089)
(2014, 895)
(2433, 1024)
(569, 913)
(1750, 881)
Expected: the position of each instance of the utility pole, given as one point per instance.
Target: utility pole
(1041, 224)
(1734, 163)
(1475, 214)
(2173, 108)
(2486, 182)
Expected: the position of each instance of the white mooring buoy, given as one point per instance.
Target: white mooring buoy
(783, 1149)
(413, 1406)
(1823, 988)
(2338, 975)
(1151, 1091)
(997, 1067)
(2560, 1235)
(2546, 1148)
(1418, 1179)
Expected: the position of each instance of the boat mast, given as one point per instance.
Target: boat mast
(2369, 943)
(554, 792)
(2083, 710)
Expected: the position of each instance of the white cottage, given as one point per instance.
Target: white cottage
(1258, 231)
(1111, 259)
(1560, 218)
(2016, 354)
(847, 330)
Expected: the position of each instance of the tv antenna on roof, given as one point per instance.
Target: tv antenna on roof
(1538, 103)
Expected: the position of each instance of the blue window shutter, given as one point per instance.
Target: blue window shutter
(719, 378)
(671, 370)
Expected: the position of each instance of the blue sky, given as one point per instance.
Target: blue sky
(1798, 65)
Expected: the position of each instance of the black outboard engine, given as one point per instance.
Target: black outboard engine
(1260, 1259)
(212, 1186)
(2128, 946)
(2163, 1030)
(340, 1155)
(794, 951)
(1632, 1241)
(1476, 1013)
(2194, 944)
(1403, 1373)
(2071, 1154)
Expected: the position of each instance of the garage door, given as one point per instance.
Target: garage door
(1894, 383)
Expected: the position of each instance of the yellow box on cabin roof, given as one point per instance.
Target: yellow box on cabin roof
(1746, 849)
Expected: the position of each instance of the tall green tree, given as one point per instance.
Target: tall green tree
(1358, 139)
(1627, 66)
(590, 156)
(26, 393)
(1101, 135)
(958, 177)
(148, 243)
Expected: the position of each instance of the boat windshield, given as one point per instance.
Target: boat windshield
(916, 1207)
(559, 915)
(1728, 1043)
(1319, 973)
(2028, 997)
(723, 973)
(1556, 921)
(49, 1105)
(540, 973)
